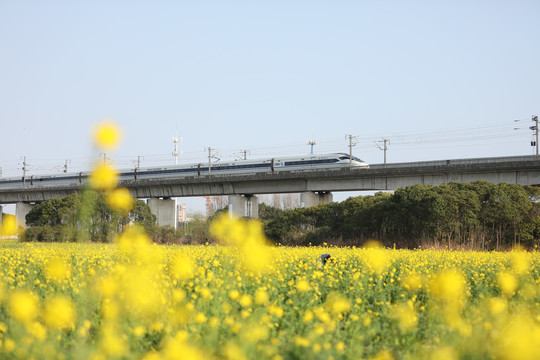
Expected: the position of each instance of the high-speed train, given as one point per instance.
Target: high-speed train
(238, 167)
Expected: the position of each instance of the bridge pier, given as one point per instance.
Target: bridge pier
(244, 206)
(21, 210)
(165, 211)
(311, 198)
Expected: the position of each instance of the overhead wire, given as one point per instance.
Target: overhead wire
(503, 132)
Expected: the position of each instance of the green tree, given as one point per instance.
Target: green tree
(83, 217)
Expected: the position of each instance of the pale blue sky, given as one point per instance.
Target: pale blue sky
(440, 79)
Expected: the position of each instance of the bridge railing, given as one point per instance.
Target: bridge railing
(459, 162)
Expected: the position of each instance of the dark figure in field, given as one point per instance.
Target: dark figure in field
(324, 258)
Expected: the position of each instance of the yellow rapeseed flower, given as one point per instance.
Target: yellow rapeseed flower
(57, 270)
(178, 348)
(112, 343)
(24, 306)
(412, 282)
(183, 268)
(60, 313)
(444, 353)
(302, 285)
(521, 262)
(2, 291)
(107, 135)
(8, 226)
(519, 339)
(449, 286)
(406, 315)
(497, 305)
(261, 296)
(120, 200)
(245, 300)
(104, 177)
(507, 282)
(37, 330)
(337, 303)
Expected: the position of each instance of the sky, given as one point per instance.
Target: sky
(438, 79)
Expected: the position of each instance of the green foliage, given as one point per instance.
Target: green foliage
(196, 231)
(82, 217)
(477, 215)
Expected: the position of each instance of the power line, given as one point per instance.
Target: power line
(480, 134)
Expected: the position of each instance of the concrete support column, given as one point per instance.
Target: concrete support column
(244, 205)
(310, 198)
(165, 211)
(21, 210)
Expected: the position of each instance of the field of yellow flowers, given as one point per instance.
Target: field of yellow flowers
(249, 301)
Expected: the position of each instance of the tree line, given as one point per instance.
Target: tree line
(83, 216)
(478, 215)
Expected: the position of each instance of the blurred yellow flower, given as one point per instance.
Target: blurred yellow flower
(412, 282)
(8, 226)
(120, 200)
(183, 267)
(406, 315)
(2, 291)
(302, 285)
(104, 177)
(449, 286)
(134, 238)
(337, 303)
(261, 296)
(521, 262)
(444, 353)
(24, 306)
(112, 343)
(37, 330)
(178, 348)
(519, 339)
(107, 135)
(497, 305)
(507, 282)
(60, 313)
(57, 270)
(245, 300)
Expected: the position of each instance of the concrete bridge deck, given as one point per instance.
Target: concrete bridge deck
(524, 170)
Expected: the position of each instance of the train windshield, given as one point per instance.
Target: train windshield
(348, 157)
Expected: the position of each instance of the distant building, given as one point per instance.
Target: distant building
(182, 216)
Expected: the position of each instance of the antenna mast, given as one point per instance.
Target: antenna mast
(176, 153)
(312, 143)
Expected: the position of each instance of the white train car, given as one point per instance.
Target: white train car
(239, 167)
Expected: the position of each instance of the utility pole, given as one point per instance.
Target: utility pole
(535, 129)
(384, 148)
(244, 154)
(65, 166)
(24, 169)
(352, 142)
(210, 156)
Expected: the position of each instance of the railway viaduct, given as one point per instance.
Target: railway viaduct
(316, 186)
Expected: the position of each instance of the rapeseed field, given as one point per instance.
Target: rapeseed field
(137, 300)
